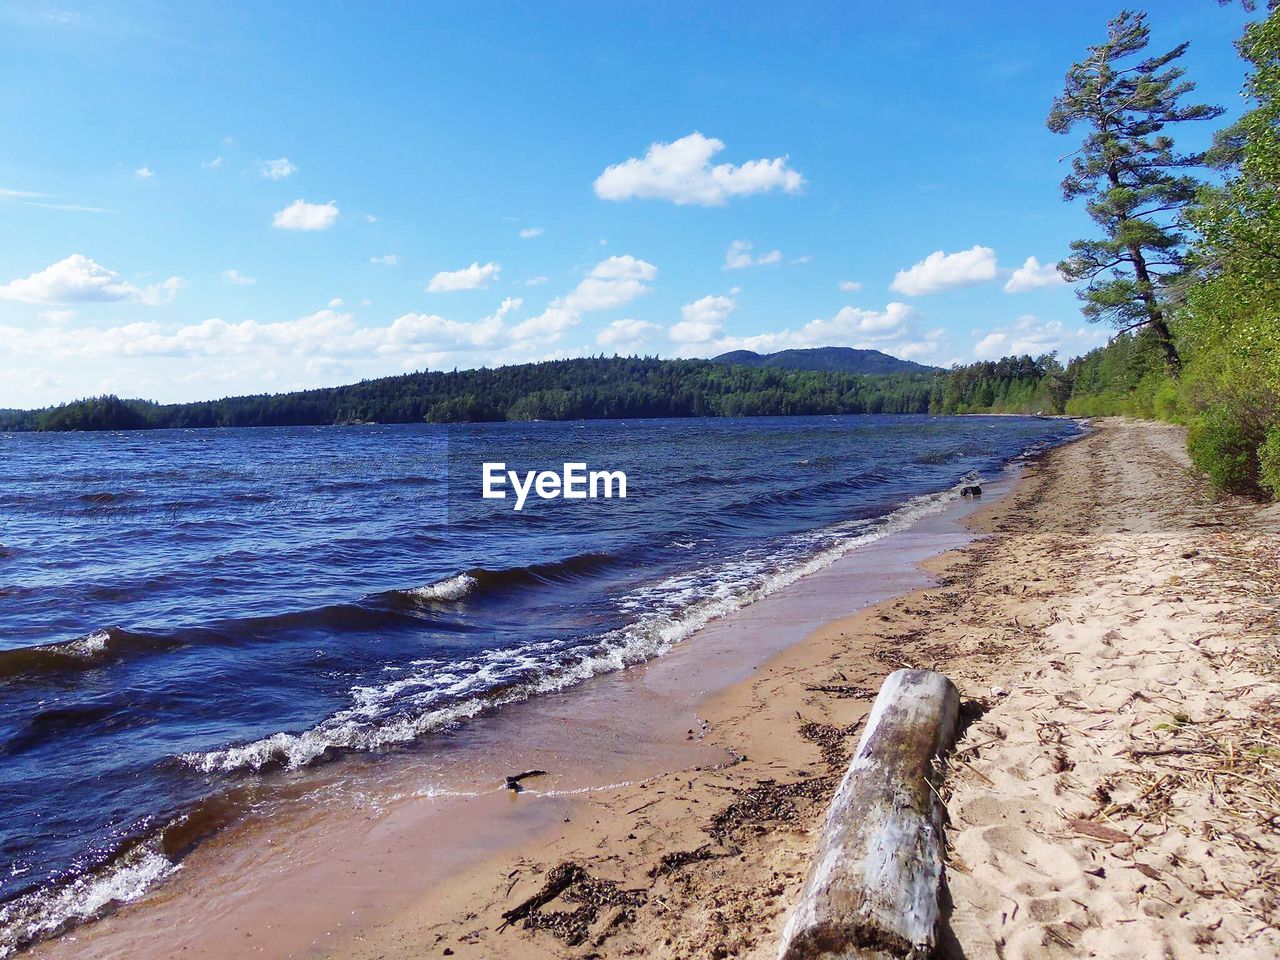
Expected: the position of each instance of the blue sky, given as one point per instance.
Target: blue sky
(203, 200)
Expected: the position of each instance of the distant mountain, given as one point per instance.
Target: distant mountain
(833, 359)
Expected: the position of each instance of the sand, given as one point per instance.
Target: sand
(1116, 630)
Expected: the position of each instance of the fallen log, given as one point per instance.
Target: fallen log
(872, 891)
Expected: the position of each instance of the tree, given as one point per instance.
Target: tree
(1235, 309)
(1135, 181)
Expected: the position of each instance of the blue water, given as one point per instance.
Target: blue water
(185, 613)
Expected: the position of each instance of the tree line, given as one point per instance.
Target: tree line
(587, 388)
(633, 388)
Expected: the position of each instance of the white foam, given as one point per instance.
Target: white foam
(454, 588)
(44, 912)
(432, 695)
(88, 647)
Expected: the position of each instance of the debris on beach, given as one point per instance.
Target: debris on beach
(514, 782)
(571, 883)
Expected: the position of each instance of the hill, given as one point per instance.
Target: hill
(831, 359)
(581, 389)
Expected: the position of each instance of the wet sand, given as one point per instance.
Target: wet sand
(333, 860)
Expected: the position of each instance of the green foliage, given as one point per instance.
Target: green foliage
(590, 388)
(1134, 179)
(1269, 462)
(1010, 385)
(1225, 449)
(1230, 319)
(1218, 300)
(96, 413)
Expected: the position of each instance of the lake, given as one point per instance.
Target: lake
(184, 614)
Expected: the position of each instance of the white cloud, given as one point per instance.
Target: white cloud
(1030, 335)
(77, 279)
(536, 281)
(1032, 276)
(991, 346)
(276, 169)
(946, 271)
(429, 332)
(238, 279)
(324, 334)
(213, 164)
(625, 267)
(681, 172)
(850, 286)
(611, 283)
(58, 316)
(386, 259)
(528, 233)
(474, 277)
(301, 215)
(703, 320)
(144, 173)
(739, 256)
(626, 335)
(923, 350)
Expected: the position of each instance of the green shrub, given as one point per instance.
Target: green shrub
(1224, 445)
(1269, 462)
(1100, 405)
(1166, 402)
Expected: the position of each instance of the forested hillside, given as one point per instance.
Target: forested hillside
(592, 388)
(835, 359)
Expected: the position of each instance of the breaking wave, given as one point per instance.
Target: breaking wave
(430, 695)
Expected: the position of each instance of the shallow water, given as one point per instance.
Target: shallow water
(185, 613)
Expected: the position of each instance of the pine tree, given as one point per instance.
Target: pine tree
(1136, 183)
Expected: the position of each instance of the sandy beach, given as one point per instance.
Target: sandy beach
(1116, 630)
(1111, 629)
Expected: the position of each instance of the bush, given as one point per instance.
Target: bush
(1100, 405)
(1224, 445)
(1269, 462)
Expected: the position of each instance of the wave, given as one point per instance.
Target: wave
(431, 695)
(391, 608)
(82, 653)
(122, 877)
(767, 503)
(480, 581)
(47, 912)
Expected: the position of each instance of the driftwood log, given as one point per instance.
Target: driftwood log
(872, 890)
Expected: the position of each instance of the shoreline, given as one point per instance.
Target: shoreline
(1106, 627)
(390, 809)
(1051, 786)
